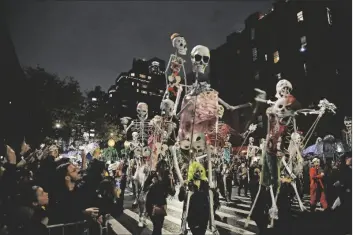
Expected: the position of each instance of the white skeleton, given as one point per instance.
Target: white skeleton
(176, 64)
(280, 109)
(193, 140)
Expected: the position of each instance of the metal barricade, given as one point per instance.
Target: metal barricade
(57, 229)
(81, 228)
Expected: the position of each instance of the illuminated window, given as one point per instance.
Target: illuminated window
(305, 71)
(142, 76)
(279, 76)
(144, 86)
(254, 54)
(132, 74)
(132, 83)
(149, 77)
(110, 95)
(303, 43)
(144, 92)
(276, 57)
(300, 16)
(257, 76)
(94, 99)
(161, 91)
(252, 34)
(265, 57)
(137, 90)
(329, 16)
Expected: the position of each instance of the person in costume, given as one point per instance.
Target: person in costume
(316, 185)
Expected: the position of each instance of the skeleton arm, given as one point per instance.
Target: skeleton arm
(127, 129)
(288, 168)
(167, 74)
(229, 107)
(180, 89)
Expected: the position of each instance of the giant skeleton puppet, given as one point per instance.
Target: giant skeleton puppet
(347, 133)
(198, 116)
(142, 153)
(282, 130)
(175, 71)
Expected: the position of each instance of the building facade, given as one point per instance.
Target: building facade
(145, 82)
(301, 41)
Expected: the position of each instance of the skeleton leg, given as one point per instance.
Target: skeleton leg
(273, 212)
(176, 165)
(301, 205)
(253, 207)
(212, 220)
(185, 214)
(142, 209)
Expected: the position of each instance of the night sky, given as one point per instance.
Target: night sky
(94, 41)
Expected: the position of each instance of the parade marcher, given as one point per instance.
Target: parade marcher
(316, 185)
(243, 176)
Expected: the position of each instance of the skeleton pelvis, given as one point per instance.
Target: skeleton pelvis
(174, 79)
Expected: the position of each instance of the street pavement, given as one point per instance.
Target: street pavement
(230, 218)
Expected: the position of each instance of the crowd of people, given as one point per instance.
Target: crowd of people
(39, 189)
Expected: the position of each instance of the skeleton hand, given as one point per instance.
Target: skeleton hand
(293, 176)
(273, 212)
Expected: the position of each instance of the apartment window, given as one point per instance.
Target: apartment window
(305, 71)
(132, 83)
(142, 76)
(254, 54)
(279, 76)
(257, 76)
(300, 16)
(252, 33)
(161, 91)
(303, 43)
(337, 72)
(110, 95)
(276, 57)
(144, 92)
(149, 77)
(132, 74)
(329, 16)
(137, 90)
(144, 86)
(265, 57)
(138, 84)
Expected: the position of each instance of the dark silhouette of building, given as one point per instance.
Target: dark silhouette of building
(145, 82)
(305, 42)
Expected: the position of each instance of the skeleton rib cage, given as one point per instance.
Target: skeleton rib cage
(143, 129)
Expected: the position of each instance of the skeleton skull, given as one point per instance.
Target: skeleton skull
(179, 43)
(220, 111)
(296, 138)
(199, 142)
(251, 140)
(142, 111)
(281, 108)
(166, 107)
(283, 88)
(348, 122)
(185, 143)
(146, 152)
(200, 57)
(135, 136)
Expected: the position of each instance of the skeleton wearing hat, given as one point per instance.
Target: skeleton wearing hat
(175, 72)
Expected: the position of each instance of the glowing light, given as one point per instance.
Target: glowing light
(302, 49)
(58, 125)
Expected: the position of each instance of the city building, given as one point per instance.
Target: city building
(301, 41)
(145, 82)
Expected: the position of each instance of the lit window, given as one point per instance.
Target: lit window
(132, 83)
(329, 17)
(149, 77)
(144, 86)
(110, 95)
(305, 71)
(265, 57)
(276, 57)
(144, 92)
(94, 99)
(161, 91)
(337, 72)
(132, 74)
(257, 76)
(279, 76)
(137, 84)
(142, 76)
(254, 54)
(303, 43)
(137, 90)
(252, 32)
(300, 16)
